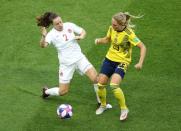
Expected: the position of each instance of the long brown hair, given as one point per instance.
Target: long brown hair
(46, 19)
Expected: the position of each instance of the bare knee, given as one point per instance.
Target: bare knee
(116, 79)
(102, 79)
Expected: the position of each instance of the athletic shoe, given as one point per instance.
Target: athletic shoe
(124, 114)
(98, 105)
(108, 106)
(44, 95)
(100, 110)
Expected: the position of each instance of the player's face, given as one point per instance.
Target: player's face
(58, 24)
(116, 26)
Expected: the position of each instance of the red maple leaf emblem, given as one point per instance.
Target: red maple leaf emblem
(69, 30)
(61, 73)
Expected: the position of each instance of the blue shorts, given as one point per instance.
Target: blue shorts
(110, 67)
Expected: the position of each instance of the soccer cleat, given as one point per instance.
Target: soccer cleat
(44, 95)
(98, 105)
(108, 106)
(100, 110)
(124, 114)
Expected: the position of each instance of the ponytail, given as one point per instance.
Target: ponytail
(129, 17)
(46, 19)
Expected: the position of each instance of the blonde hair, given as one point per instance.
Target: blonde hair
(125, 18)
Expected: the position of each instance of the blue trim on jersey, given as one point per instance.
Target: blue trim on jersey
(109, 67)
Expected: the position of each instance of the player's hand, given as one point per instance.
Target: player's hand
(97, 41)
(78, 38)
(138, 66)
(43, 31)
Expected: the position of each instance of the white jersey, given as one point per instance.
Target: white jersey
(64, 41)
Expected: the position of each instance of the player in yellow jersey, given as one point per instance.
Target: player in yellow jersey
(117, 60)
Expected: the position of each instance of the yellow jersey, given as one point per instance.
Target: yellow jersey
(121, 45)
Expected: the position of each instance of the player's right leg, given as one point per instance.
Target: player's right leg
(103, 79)
(65, 75)
(107, 70)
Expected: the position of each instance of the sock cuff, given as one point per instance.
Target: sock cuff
(114, 86)
(101, 86)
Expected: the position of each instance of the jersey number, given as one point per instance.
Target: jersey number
(123, 66)
(65, 36)
(116, 47)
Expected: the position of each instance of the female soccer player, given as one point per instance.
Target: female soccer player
(64, 36)
(117, 60)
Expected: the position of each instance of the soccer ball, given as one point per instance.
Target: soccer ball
(64, 111)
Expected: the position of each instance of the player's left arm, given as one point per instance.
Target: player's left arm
(81, 35)
(142, 47)
(79, 32)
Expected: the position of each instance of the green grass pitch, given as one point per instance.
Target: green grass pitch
(153, 95)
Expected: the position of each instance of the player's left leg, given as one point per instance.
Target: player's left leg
(119, 95)
(92, 75)
(56, 91)
(85, 67)
(65, 76)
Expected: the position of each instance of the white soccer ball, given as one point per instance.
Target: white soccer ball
(64, 111)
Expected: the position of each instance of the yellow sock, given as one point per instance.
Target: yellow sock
(102, 94)
(118, 93)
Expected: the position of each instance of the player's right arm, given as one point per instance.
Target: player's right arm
(103, 40)
(43, 43)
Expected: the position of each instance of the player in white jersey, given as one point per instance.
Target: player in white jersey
(64, 37)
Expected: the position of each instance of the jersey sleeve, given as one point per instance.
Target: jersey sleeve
(76, 28)
(48, 38)
(133, 39)
(109, 32)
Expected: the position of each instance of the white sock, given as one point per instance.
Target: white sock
(96, 90)
(53, 91)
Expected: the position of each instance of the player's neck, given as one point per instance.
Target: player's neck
(122, 29)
